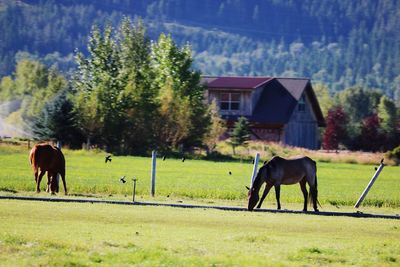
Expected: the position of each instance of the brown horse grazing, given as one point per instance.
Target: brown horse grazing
(48, 158)
(285, 171)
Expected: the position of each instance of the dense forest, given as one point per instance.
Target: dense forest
(338, 43)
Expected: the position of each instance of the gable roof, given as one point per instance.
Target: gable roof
(235, 82)
(275, 105)
(277, 100)
(295, 86)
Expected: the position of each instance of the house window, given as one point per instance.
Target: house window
(229, 101)
(302, 104)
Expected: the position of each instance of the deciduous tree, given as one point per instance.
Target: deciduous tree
(335, 131)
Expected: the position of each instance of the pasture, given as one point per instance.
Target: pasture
(70, 234)
(83, 234)
(340, 184)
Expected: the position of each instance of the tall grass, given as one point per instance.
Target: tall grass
(268, 150)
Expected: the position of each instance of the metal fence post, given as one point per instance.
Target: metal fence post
(153, 172)
(255, 167)
(371, 182)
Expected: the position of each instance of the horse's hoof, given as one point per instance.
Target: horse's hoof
(316, 210)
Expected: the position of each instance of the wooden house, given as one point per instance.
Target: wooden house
(282, 110)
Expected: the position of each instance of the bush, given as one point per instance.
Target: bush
(394, 154)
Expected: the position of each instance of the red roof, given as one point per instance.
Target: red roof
(235, 82)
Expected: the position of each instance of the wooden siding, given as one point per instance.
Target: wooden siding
(302, 129)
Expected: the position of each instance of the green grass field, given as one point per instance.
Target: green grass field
(340, 184)
(68, 234)
(72, 234)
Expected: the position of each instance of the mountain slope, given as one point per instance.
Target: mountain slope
(339, 43)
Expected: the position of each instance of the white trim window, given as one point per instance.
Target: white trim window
(229, 101)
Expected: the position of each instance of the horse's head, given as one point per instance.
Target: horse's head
(252, 195)
(253, 198)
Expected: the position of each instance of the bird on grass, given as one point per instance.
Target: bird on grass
(183, 159)
(230, 173)
(164, 158)
(122, 179)
(108, 159)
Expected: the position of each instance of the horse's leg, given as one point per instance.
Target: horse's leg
(278, 196)
(266, 191)
(53, 182)
(305, 193)
(36, 173)
(48, 189)
(38, 180)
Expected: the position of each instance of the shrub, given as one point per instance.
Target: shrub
(394, 154)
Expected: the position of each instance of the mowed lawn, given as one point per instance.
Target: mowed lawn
(71, 234)
(340, 184)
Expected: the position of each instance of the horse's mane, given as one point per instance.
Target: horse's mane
(258, 180)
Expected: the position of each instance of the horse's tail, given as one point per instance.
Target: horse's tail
(314, 190)
(33, 158)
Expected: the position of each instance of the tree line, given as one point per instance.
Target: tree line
(359, 119)
(128, 94)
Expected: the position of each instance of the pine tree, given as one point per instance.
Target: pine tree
(57, 122)
(240, 133)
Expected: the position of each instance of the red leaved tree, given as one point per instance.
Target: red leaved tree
(335, 132)
(372, 137)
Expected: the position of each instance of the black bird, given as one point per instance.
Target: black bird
(183, 159)
(163, 158)
(108, 159)
(230, 173)
(122, 179)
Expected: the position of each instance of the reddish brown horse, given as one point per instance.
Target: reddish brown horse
(48, 158)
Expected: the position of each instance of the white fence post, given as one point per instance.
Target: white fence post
(255, 167)
(371, 182)
(153, 172)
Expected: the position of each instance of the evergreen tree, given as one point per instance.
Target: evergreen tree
(240, 133)
(57, 122)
